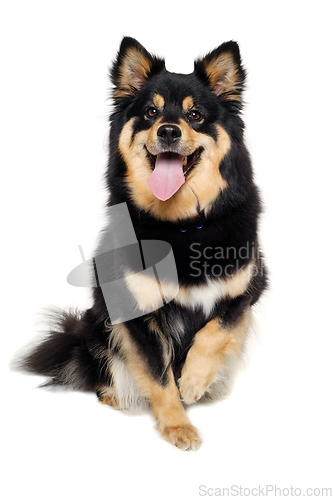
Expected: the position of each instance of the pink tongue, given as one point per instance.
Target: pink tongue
(168, 175)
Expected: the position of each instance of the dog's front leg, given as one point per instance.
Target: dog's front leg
(172, 420)
(214, 346)
(158, 386)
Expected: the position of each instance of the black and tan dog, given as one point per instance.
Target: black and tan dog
(178, 161)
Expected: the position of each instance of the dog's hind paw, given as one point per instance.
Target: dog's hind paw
(110, 400)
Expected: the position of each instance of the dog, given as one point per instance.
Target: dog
(181, 174)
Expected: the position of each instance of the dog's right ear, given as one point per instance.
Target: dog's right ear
(132, 68)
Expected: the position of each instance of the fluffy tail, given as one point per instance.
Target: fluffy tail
(71, 355)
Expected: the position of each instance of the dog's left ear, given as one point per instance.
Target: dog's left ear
(132, 67)
(222, 70)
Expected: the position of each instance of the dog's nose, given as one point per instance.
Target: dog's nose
(169, 134)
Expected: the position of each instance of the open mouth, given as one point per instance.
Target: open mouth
(188, 162)
(169, 172)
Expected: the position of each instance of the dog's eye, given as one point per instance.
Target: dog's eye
(194, 115)
(151, 112)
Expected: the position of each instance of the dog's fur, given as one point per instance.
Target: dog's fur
(183, 351)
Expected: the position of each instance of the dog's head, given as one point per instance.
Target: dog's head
(175, 131)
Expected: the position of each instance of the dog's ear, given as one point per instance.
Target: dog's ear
(132, 68)
(222, 70)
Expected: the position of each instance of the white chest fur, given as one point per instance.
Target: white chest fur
(149, 294)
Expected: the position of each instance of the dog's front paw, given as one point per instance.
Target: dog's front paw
(185, 437)
(192, 386)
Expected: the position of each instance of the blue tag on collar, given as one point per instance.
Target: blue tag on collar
(184, 229)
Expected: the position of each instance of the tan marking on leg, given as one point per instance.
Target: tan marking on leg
(237, 283)
(212, 347)
(172, 420)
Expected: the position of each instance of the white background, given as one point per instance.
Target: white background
(276, 428)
